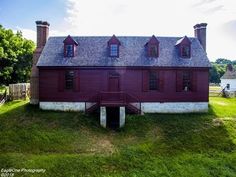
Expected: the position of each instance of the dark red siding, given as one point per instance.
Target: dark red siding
(90, 81)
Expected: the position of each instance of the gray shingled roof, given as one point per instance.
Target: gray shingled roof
(229, 75)
(92, 51)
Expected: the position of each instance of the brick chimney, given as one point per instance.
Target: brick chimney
(42, 36)
(200, 33)
(229, 67)
(42, 33)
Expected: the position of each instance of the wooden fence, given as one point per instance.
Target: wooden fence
(215, 91)
(3, 98)
(19, 91)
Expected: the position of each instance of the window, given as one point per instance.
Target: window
(185, 51)
(69, 79)
(186, 81)
(228, 86)
(114, 50)
(152, 47)
(184, 47)
(153, 51)
(69, 51)
(152, 81)
(70, 46)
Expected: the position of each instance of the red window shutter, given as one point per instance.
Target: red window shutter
(194, 81)
(145, 81)
(61, 81)
(77, 81)
(161, 81)
(179, 81)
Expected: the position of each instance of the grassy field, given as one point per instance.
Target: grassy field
(73, 144)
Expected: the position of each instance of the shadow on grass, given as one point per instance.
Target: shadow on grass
(56, 119)
(26, 128)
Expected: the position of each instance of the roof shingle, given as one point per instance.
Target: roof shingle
(93, 51)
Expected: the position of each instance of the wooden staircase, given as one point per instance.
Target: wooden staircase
(133, 109)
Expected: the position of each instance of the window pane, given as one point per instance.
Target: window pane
(69, 50)
(186, 81)
(153, 51)
(185, 51)
(113, 50)
(69, 79)
(152, 81)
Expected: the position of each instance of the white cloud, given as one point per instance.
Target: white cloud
(27, 33)
(163, 18)
(31, 34)
(159, 17)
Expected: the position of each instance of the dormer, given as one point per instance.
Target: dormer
(113, 46)
(70, 46)
(184, 47)
(152, 47)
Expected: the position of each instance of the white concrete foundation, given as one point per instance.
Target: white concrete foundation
(174, 107)
(103, 116)
(122, 117)
(62, 106)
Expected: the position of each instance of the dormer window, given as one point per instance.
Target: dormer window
(113, 47)
(185, 51)
(153, 51)
(114, 50)
(69, 51)
(152, 47)
(184, 47)
(70, 47)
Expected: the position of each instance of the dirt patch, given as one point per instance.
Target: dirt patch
(103, 145)
(217, 122)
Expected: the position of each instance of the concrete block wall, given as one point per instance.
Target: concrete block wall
(174, 107)
(63, 106)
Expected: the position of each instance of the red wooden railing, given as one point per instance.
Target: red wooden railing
(113, 99)
(92, 103)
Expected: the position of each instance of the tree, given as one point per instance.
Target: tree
(214, 74)
(223, 61)
(219, 68)
(16, 55)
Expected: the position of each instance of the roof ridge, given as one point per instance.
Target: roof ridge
(176, 37)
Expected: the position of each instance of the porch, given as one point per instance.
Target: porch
(104, 101)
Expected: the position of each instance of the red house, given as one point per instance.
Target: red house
(117, 74)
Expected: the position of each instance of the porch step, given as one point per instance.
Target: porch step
(92, 108)
(133, 109)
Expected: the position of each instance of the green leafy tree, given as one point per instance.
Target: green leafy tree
(16, 55)
(218, 69)
(214, 74)
(223, 61)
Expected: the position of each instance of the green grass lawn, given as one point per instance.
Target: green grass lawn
(73, 144)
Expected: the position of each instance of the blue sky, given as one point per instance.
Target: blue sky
(128, 17)
(24, 12)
